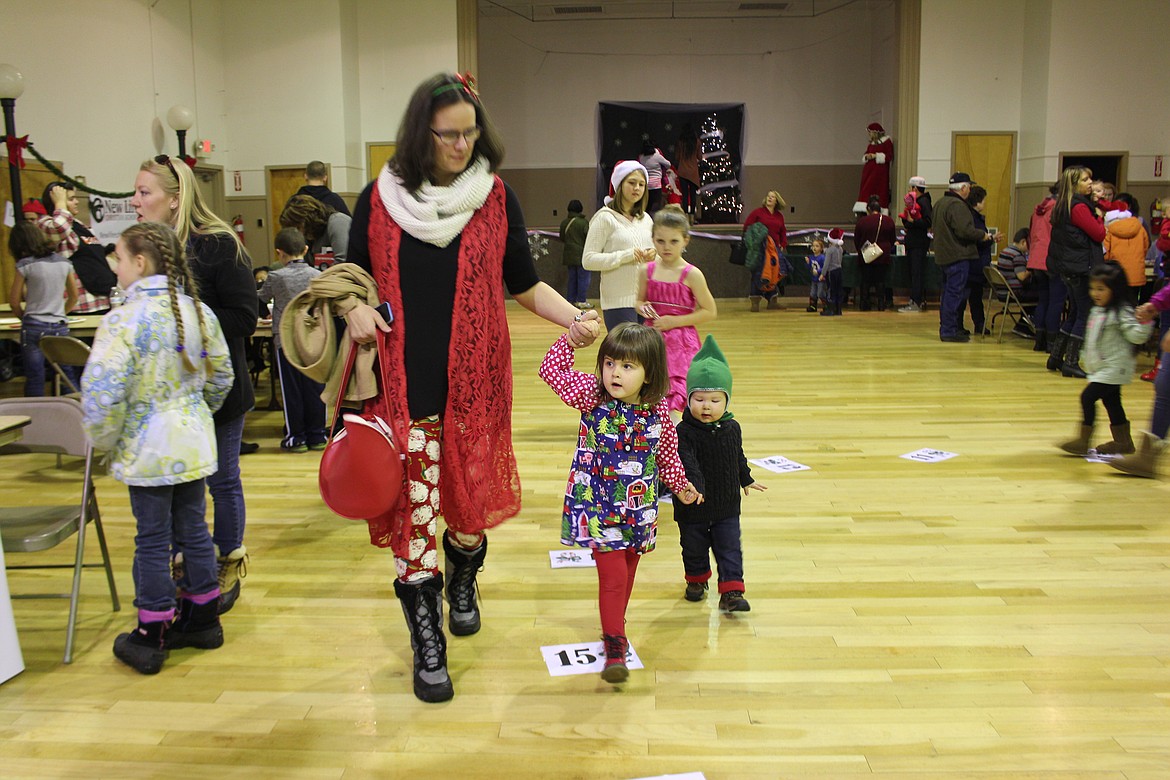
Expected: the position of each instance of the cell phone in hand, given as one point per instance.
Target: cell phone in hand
(383, 309)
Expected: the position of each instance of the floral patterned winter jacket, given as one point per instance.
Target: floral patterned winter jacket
(152, 415)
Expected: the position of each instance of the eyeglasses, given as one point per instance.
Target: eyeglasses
(451, 137)
(165, 159)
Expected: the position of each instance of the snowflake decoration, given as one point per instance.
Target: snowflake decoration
(623, 124)
(668, 126)
(538, 246)
(617, 142)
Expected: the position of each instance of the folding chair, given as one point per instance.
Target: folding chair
(64, 351)
(1009, 304)
(55, 427)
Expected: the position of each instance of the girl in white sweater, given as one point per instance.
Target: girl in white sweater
(619, 240)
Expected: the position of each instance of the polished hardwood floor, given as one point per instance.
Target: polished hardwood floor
(1005, 613)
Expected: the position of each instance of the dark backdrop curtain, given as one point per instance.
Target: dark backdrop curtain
(621, 128)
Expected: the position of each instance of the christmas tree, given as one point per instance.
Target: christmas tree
(719, 194)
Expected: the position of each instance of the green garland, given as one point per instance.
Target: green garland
(60, 174)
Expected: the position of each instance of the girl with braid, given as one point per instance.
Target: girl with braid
(159, 367)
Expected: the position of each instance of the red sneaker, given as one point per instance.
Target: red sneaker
(1152, 374)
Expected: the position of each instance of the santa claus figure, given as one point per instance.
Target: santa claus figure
(875, 172)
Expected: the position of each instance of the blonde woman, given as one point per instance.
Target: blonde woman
(771, 215)
(165, 192)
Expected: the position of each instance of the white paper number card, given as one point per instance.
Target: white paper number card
(581, 658)
(927, 455)
(572, 558)
(779, 464)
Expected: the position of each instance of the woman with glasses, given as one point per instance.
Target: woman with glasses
(165, 192)
(444, 237)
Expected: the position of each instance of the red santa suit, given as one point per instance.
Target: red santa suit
(875, 173)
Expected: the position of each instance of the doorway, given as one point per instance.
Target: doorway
(1106, 166)
(990, 158)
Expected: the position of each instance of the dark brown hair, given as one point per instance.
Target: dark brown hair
(414, 156)
(27, 240)
(306, 214)
(290, 241)
(642, 345)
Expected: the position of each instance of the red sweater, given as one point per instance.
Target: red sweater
(773, 220)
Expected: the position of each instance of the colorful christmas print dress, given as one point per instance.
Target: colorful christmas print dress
(611, 501)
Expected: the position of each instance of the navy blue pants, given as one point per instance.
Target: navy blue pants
(721, 537)
(304, 411)
(954, 298)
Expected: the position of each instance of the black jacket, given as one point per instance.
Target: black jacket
(712, 454)
(227, 286)
(918, 230)
(1071, 251)
(326, 196)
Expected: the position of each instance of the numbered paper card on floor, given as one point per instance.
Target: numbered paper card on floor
(581, 658)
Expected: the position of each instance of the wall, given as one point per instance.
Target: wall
(810, 86)
(1037, 68)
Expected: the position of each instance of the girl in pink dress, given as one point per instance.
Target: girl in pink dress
(673, 298)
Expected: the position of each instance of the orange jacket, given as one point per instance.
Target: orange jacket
(1127, 242)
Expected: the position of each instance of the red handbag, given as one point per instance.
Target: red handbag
(361, 468)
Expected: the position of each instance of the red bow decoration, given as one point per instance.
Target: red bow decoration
(469, 83)
(16, 147)
(191, 161)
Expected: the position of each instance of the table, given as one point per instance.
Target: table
(11, 661)
(83, 326)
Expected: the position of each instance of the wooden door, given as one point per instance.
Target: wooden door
(377, 153)
(209, 181)
(283, 183)
(990, 158)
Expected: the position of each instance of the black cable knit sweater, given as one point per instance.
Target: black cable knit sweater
(712, 454)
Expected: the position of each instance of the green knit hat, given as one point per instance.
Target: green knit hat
(709, 370)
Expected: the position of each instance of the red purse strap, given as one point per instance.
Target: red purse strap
(346, 372)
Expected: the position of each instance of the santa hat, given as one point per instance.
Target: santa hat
(709, 370)
(918, 181)
(33, 206)
(875, 127)
(620, 171)
(1121, 212)
(837, 236)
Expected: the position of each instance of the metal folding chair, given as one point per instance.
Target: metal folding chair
(55, 428)
(1009, 304)
(64, 351)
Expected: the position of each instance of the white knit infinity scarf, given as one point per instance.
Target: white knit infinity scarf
(437, 214)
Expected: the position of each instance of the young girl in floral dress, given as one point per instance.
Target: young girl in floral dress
(625, 444)
(673, 297)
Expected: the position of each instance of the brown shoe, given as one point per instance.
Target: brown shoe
(1079, 445)
(1122, 444)
(1145, 462)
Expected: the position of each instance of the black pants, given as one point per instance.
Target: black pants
(1110, 396)
(720, 537)
(916, 259)
(1079, 302)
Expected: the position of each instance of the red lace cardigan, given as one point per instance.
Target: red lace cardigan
(479, 485)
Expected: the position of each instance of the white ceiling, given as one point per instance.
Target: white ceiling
(576, 10)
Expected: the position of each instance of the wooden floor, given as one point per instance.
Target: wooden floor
(1004, 614)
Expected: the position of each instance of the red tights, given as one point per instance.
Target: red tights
(615, 583)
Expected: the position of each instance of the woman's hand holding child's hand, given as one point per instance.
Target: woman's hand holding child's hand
(689, 495)
(584, 331)
(1146, 312)
(644, 255)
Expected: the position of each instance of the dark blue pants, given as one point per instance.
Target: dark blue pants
(975, 293)
(304, 411)
(954, 297)
(35, 369)
(226, 488)
(614, 317)
(1079, 304)
(578, 284)
(721, 537)
(916, 259)
(171, 516)
(834, 279)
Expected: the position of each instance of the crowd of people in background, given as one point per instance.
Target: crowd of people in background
(418, 272)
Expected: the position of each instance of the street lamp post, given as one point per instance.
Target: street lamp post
(12, 87)
(180, 118)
